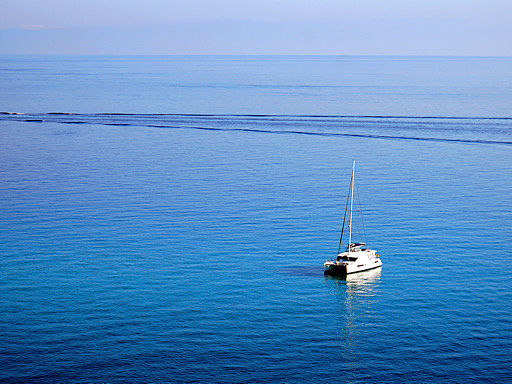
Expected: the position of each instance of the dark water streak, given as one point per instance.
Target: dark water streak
(315, 123)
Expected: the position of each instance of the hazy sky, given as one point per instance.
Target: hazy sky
(362, 27)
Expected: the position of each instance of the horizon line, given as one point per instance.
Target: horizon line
(252, 55)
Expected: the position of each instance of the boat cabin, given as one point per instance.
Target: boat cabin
(356, 247)
(351, 256)
(346, 258)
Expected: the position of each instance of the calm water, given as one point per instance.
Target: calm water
(164, 233)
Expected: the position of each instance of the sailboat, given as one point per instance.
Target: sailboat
(357, 257)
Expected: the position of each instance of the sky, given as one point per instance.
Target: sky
(332, 27)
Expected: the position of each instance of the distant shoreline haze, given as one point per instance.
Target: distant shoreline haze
(363, 27)
(255, 38)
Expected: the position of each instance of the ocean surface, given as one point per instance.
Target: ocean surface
(166, 219)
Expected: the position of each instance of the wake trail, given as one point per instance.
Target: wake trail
(316, 122)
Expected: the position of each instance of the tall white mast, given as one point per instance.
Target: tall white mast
(351, 201)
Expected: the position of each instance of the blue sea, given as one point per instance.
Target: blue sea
(166, 219)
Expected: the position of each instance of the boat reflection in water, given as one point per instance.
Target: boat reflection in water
(357, 298)
(362, 283)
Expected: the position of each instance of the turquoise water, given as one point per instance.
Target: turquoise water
(167, 245)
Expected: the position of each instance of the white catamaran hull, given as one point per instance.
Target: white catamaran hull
(358, 261)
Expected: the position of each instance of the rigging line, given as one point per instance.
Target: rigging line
(361, 211)
(344, 217)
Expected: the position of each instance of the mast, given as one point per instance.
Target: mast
(351, 202)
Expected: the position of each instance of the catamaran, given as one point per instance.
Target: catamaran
(357, 257)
